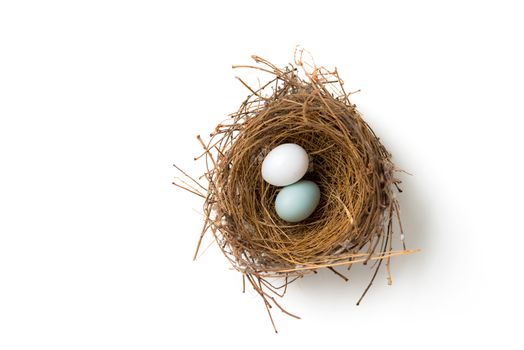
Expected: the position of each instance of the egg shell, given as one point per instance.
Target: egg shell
(285, 164)
(298, 201)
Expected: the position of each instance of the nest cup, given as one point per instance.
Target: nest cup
(308, 106)
(347, 162)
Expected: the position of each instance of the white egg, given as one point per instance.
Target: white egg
(285, 164)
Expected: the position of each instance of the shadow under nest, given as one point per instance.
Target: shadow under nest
(353, 223)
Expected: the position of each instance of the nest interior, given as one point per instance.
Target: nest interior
(306, 105)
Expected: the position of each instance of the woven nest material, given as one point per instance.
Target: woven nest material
(353, 223)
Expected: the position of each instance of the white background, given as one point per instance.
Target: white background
(99, 98)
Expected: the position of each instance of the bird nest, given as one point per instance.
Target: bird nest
(353, 223)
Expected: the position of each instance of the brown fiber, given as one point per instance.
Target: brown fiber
(306, 105)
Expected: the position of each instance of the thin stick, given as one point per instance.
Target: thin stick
(338, 274)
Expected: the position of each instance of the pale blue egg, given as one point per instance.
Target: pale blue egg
(297, 201)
